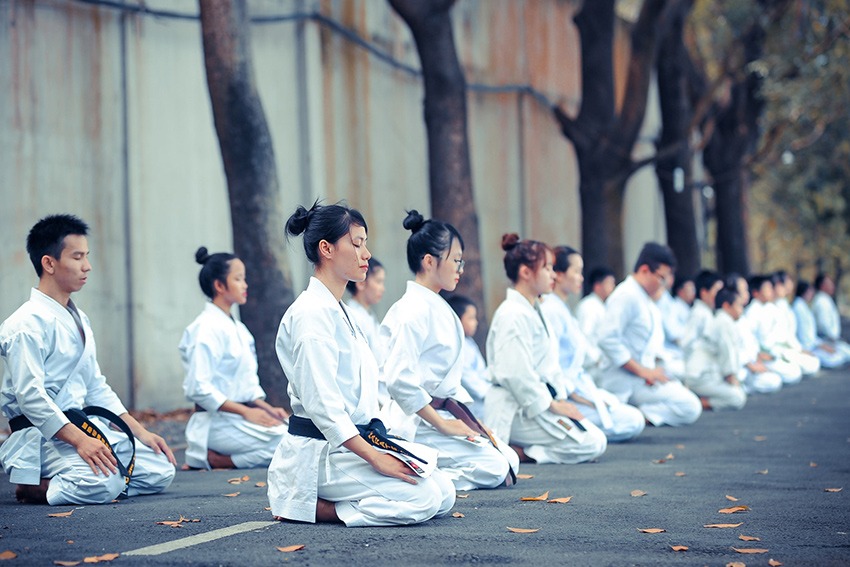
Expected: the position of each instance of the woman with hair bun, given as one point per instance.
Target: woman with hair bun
(423, 341)
(327, 467)
(233, 426)
(527, 403)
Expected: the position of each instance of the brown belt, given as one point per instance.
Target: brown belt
(464, 414)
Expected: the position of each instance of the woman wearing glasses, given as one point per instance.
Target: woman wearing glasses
(423, 339)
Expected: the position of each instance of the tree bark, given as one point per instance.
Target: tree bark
(449, 170)
(249, 165)
(676, 115)
(604, 138)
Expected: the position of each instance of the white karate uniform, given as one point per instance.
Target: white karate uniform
(828, 321)
(760, 382)
(619, 421)
(632, 329)
(711, 357)
(522, 357)
(50, 368)
(475, 378)
(424, 338)
(674, 314)
(768, 326)
(220, 359)
(589, 313)
(369, 325)
(808, 337)
(333, 381)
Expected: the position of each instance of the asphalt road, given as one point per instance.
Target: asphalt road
(777, 457)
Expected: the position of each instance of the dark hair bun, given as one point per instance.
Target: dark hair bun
(509, 241)
(299, 220)
(202, 255)
(413, 221)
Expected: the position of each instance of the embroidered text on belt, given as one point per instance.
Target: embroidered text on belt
(80, 419)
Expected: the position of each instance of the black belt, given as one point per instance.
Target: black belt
(79, 417)
(460, 411)
(375, 432)
(249, 404)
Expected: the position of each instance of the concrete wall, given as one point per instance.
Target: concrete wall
(107, 115)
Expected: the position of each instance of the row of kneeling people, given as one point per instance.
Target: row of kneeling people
(388, 420)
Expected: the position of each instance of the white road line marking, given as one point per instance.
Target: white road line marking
(196, 539)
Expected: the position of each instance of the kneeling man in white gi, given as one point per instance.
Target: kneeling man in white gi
(632, 337)
(51, 367)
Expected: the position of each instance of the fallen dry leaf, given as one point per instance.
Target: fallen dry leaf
(462, 495)
(8, 554)
(813, 464)
(659, 461)
(525, 476)
(736, 564)
(70, 541)
(562, 500)
(172, 523)
(679, 547)
(734, 509)
(523, 530)
(61, 514)
(743, 537)
(750, 550)
(731, 498)
(98, 558)
(680, 446)
(637, 493)
(760, 438)
(651, 530)
(723, 525)
(540, 498)
(66, 563)
(245, 478)
(832, 490)
(680, 473)
(231, 495)
(774, 563)
(290, 548)
(234, 480)
(762, 471)
(268, 508)
(670, 457)
(260, 484)
(458, 515)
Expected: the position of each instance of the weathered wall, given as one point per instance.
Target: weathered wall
(107, 115)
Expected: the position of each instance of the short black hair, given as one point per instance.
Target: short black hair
(460, 303)
(724, 296)
(680, 282)
(374, 264)
(755, 282)
(599, 274)
(654, 255)
(47, 237)
(802, 287)
(706, 280)
(562, 258)
(819, 279)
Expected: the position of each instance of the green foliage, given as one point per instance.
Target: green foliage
(800, 190)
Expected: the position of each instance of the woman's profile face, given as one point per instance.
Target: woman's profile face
(450, 267)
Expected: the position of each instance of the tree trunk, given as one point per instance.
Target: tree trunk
(249, 165)
(602, 137)
(449, 170)
(676, 116)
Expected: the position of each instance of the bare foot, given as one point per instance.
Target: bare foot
(523, 458)
(219, 461)
(33, 493)
(326, 511)
(706, 405)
